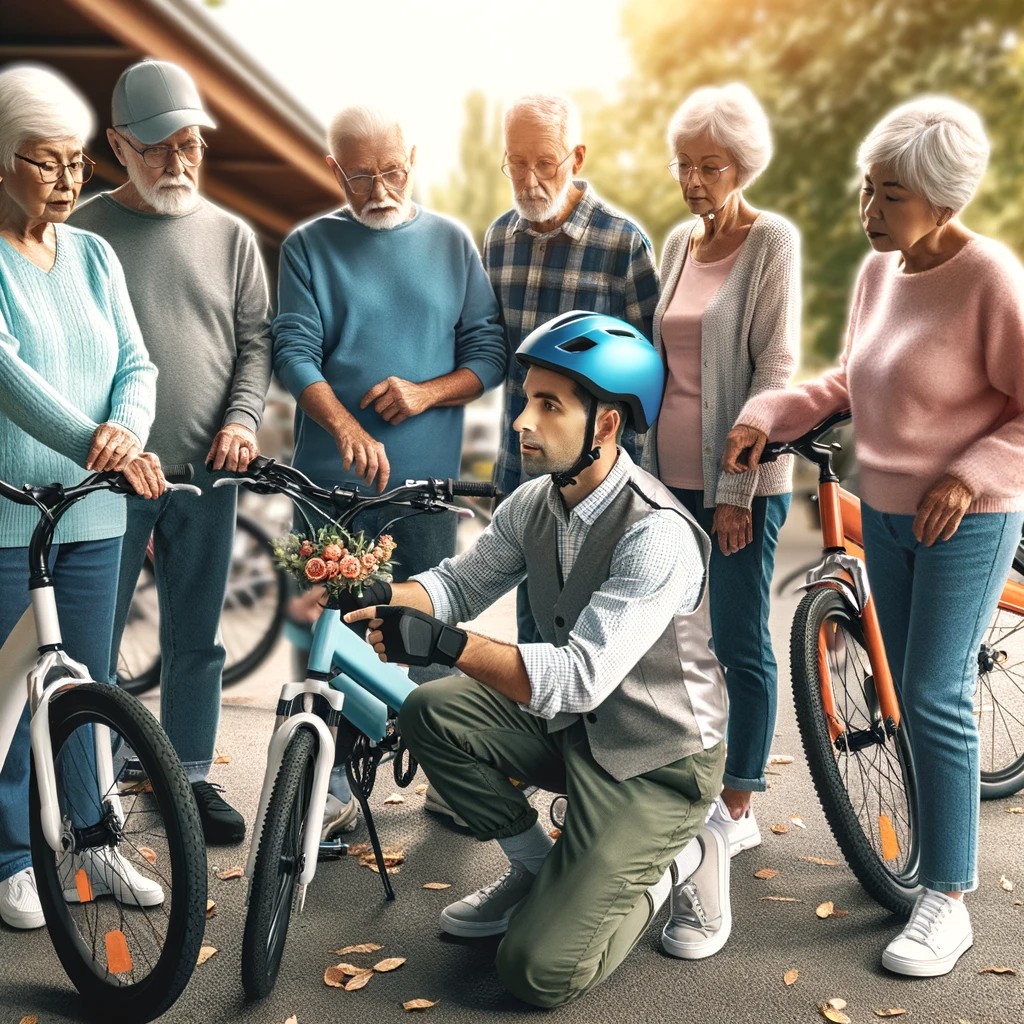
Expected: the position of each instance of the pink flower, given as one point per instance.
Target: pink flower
(305, 549)
(350, 567)
(369, 562)
(380, 554)
(333, 553)
(387, 541)
(316, 570)
(333, 568)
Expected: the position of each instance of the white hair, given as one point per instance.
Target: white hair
(361, 122)
(559, 113)
(936, 146)
(36, 103)
(734, 118)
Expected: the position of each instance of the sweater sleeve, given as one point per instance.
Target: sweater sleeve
(298, 328)
(773, 342)
(994, 464)
(479, 338)
(640, 285)
(252, 337)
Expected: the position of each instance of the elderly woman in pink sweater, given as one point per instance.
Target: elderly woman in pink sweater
(933, 369)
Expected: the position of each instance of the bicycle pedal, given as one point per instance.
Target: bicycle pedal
(332, 849)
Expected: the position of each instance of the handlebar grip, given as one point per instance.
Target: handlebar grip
(771, 453)
(472, 489)
(179, 474)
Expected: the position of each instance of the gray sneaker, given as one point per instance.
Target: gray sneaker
(701, 916)
(486, 911)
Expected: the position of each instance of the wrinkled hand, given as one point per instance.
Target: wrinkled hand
(941, 509)
(395, 399)
(734, 526)
(365, 454)
(113, 446)
(233, 448)
(143, 472)
(743, 447)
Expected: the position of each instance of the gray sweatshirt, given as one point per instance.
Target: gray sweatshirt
(199, 289)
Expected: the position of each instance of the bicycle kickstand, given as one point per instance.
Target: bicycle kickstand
(378, 853)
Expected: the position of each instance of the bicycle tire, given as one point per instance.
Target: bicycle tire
(865, 779)
(141, 979)
(256, 590)
(278, 863)
(999, 700)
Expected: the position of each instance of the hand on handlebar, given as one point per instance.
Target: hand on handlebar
(411, 637)
(233, 448)
(365, 454)
(941, 510)
(113, 447)
(743, 448)
(143, 472)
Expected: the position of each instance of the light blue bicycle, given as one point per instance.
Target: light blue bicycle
(345, 710)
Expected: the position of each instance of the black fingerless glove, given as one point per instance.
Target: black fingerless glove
(414, 638)
(374, 592)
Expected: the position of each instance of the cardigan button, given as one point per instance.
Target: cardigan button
(559, 621)
(591, 717)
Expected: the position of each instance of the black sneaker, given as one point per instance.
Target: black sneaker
(222, 824)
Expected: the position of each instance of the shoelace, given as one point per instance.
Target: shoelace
(495, 887)
(695, 915)
(930, 909)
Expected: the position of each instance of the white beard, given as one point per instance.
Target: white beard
(384, 216)
(539, 208)
(170, 196)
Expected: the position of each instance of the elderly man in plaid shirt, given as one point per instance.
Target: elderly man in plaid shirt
(560, 248)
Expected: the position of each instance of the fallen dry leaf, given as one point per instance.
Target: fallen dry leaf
(221, 758)
(391, 869)
(148, 853)
(1015, 810)
(823, 861)
(349, 970)
(834, 1014)
(392, 963)
(836, 1003)
(394, 798)
(825, 909)
(361, 980)
(765, 873)
(896, 1011)
(782, 899)
(789, 978)
(419, 791)
(33, 1019)
(363, 947)
(839, 913)
(437, 885)
(419, 1004)
(228, 873)
(780, 759)
(292, 1020)
(358, 849)
(780, 829)
(1006, 884)
(555, 833)
(204, 954)
(997, 970)
(334, 977)
(211, 909)
(797, 820)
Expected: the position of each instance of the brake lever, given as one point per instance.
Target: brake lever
(185, 488)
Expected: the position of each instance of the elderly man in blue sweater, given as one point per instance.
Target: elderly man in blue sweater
(386, 327)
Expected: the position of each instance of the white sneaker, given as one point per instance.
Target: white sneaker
(701, 915)
(339, 817)
(743, 833)
(108, 874)
(936, 936)
(435, 803)
(19, 900)
(486, 911)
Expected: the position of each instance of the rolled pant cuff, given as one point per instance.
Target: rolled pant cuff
(514, 828)
(745, 785)
(949, 886)
(8, 870)
(196, 771)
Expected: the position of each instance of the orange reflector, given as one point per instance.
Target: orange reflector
(119, 960)
(890, 844)
(84, 886)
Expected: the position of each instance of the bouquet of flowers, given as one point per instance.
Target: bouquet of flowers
(336, 560)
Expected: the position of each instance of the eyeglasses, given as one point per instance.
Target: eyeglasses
(362, 184)
(191, 154)
(50, 171)
(543, 170)
(706, 173)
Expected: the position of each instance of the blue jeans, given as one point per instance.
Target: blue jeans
(192, 540)
(739, 592)
(85, 584)
(933, 606)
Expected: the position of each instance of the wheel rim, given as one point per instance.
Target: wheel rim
(999, 698)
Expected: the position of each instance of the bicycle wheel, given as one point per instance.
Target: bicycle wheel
(138, 657)
(127, 950)
(863, 774)
(999, 700)
(278, 863)
(254, 600)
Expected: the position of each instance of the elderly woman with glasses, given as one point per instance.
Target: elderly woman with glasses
(728, 327)
(77, 395)
(933, 369)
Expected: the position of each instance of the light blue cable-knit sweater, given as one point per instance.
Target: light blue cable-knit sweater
(71, 358)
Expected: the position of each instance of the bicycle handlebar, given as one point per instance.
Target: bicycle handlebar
(808, 445)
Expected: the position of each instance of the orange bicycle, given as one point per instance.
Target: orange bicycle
(847, 706)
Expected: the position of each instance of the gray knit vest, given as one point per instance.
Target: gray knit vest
(673, 702)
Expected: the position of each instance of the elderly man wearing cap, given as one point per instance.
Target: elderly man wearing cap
(199, 288)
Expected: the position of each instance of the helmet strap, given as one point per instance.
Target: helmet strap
(587, 457)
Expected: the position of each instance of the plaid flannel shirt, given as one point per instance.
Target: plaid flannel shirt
(598, 259)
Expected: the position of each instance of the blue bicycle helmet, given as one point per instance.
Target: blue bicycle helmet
(607, 356)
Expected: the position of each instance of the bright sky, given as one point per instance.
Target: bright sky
(421, 57)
